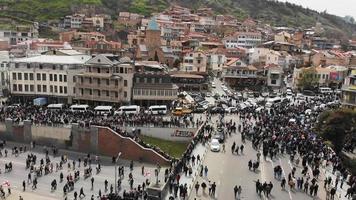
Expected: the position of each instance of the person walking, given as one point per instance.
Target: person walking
(24, 185)
(235, 191)
(81, 193)
(197, 188)
(206, 171)
(92, 183)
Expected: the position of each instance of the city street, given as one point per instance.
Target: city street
(19, 173)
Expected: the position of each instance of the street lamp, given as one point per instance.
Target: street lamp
(116, 159)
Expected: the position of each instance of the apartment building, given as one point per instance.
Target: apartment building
(49, 75)
(106, 79)
(194, 62)
(237, 74)
(14, 35)
(349, 90)
(243, 39)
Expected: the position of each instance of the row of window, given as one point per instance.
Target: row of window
(98, 81)
(40, 66)
(147, 92)
(239, 72)
(318, 76)
(100, 93)
(40, 88)
(121, 70)
(39, 77)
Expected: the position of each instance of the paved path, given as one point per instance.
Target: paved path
(19, 173)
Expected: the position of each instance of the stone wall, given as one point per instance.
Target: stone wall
(95, 140)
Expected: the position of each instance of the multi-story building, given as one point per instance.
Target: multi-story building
(216, 59)
(237, 74)
(349, 90)
(49, 75)
(194, 62)
(243, 39)
(19, 34)
(4, 72)
(106, 79)
(152, 85)
(274, 74)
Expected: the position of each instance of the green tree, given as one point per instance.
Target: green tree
(308, 80)
(336, 125)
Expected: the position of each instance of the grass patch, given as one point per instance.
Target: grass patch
(172, 148)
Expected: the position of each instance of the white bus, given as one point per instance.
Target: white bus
(128, 110)
(58, 106)
(157, 110)
(79, 108)
(103, 109)
(325, 90)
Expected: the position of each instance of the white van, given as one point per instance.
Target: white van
(325, 90)
(157, 110)
(79, 108)
(103, 109)
(134, 109)
(58, 106)
(273, 101)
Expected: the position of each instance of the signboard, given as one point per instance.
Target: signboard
(181, 133)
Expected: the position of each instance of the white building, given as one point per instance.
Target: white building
(4, 72)
(243, 39)
(264, 56)
(49, 75)
(274, 75)
(194, 62)
(19, 34)
(215, 60)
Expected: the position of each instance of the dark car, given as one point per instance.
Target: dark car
(199, 110)
(217, 110)
(219, 135)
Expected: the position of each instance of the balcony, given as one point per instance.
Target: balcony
(97, 98)
(98, 86)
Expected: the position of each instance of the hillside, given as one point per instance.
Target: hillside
(268, 11)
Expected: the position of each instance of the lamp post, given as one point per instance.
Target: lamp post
(116, 159)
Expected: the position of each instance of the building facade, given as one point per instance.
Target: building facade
(349, 90)
(106, 79)
(49, 76)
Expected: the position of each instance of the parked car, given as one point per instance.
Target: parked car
(230, 110)
(215, 145)
(199, 109)
(217, 110)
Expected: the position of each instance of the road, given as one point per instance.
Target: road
(228, 170)
(19, 173)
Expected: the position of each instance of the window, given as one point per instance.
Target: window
(107, 93)
(74, 79)
(14, 87)
(25, 76)
(50, 77)
(274, 82)
(74, 90)
(60, 78)
(61, 89)
(65, 78)
(38, 88)
(53, 67)
(44, 88)
(116, 94)
(125, 70)
(44, 77)
(19, 76)
(31, 76)
(14, 76)
(98, 81)
(90, 80)
(51, 89)
(99, 93)
(121, 70)
(107, 82)
(125, 83)
(20, 88)
(55, 89)
(38, 77)
(55, 77)
(125, 94)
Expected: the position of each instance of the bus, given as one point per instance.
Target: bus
(79, 108)
(134, 109)
(157, 110)
(103, 109)
(58, 106)
(325, 90)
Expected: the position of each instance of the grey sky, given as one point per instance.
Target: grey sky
(336, 7)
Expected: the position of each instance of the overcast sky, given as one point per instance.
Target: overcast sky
(336, 7)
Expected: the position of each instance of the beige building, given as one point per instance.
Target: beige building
(194, 62)
(349, 90)
(106, 79)
(48, 76)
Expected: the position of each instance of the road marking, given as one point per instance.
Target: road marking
(284, 174)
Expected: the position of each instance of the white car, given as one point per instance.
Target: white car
(230, 109)
(215, 145)
(213, 85)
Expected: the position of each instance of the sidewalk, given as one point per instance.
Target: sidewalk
(189, 180)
